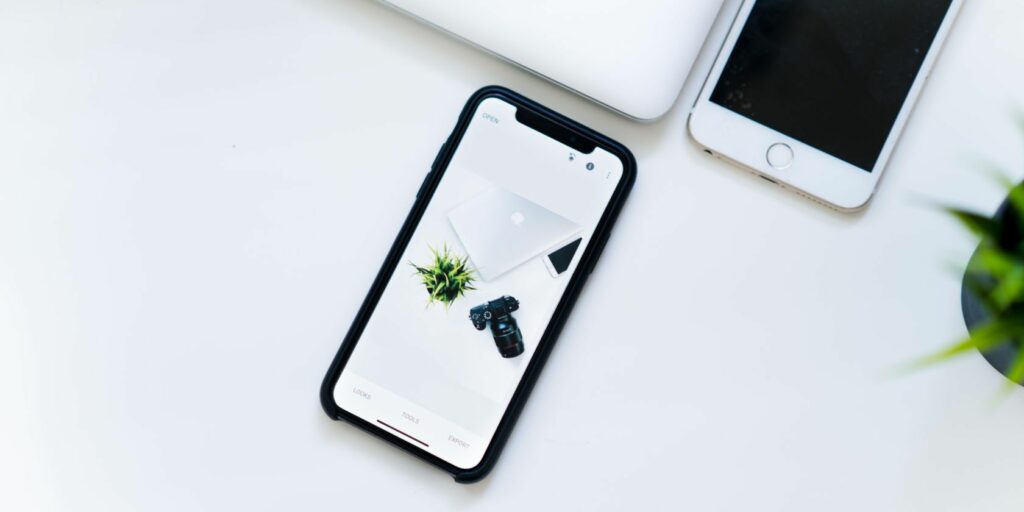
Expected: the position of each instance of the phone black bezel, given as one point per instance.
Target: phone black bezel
(547, 341)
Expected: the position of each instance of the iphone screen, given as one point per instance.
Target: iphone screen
(462, 314)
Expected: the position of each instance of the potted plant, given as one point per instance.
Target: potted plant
(447, 277)
(992, 295)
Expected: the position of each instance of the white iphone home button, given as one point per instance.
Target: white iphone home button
(780, 156)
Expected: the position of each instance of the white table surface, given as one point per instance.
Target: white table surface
(195, 196)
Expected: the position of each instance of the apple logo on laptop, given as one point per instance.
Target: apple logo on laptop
(518, 219)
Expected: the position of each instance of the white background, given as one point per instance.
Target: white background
(194, 198)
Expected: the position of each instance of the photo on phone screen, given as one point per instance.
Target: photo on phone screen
(462, 315)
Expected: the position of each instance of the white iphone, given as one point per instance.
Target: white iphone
(813, 94)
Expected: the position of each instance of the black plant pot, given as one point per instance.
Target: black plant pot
(1002, 357)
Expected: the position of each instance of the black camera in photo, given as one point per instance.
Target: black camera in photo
(504, 328)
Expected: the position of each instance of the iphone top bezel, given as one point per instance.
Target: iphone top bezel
(826, 178)
(561, 313)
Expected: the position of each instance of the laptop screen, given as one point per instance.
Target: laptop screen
(461, 317)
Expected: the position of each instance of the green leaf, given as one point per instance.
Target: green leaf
(982, 338)
(1016, 196)
(447, 277)
(1016, 373)
(996, 332)
(1009, 288)
(980, 225)
(991, 260)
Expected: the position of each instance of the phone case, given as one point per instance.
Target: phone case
(587, 262)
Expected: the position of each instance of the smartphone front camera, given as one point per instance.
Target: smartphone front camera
(590, 166)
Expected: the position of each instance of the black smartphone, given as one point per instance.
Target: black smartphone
(458, 323)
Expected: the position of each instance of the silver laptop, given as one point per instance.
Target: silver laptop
(631, 56)
(501, 230)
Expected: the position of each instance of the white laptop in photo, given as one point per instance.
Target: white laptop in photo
(631, 56)
(501, 230)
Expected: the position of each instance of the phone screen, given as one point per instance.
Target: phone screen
(461, 316)
(833, 74)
